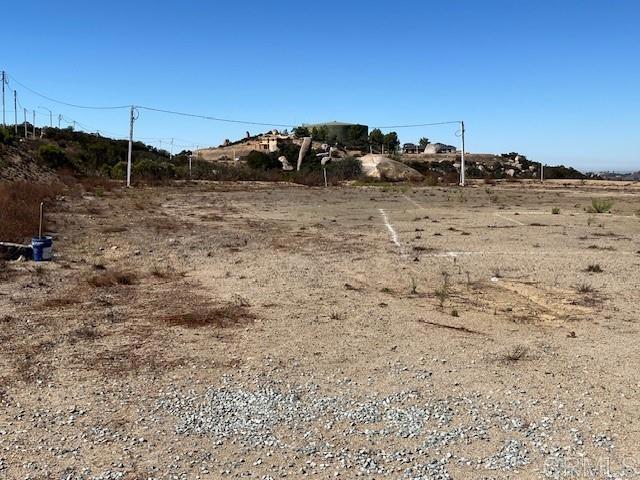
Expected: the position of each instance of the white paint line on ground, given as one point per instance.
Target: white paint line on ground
(509, 219)
(411, 200)
(392, 233)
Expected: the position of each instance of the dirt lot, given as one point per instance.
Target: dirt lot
(264, 331)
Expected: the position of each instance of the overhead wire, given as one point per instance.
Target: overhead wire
(89, 107)
(192, 115)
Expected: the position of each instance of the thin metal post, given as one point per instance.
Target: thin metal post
(26, 132)
(4, 123)
(462, 169)
(59, 119)
(41, 218)
(541, 172)
(131, 120)
(15, 111)
(34, 124)
(190, 158)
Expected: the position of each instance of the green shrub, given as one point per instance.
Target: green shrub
(105, 170)
(119, 170)
(262, 161)
(6, 136)
(348, 168)
(555, 211)
(601, 205)
(53, 156)
(148, 168)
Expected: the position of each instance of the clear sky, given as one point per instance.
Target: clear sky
(556, 80)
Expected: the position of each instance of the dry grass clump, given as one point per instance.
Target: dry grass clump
(112, 278)
(224, 316)
(166, 272)
(516, 353)
(60, 302)
(83, 333)
(594, 268)
(20, 208)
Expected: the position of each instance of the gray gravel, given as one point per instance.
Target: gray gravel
(408, 434)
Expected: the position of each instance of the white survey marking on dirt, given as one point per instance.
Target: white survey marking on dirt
(509, 219)
(411, 200)
(392, 232)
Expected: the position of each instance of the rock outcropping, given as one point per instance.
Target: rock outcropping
(384, 168)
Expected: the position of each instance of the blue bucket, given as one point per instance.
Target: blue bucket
(42, 248)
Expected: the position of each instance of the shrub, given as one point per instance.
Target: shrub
(119, 170)
(149, 168)
(20, 209)
(555, 211)
(346, 169)
(601, 205)
(6, 136)
(262, 161)
(53, 156)
(594, 268)
(111, 278)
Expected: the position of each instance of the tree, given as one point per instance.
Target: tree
(376, 137)
(356, 136)
(391, 141)
(424, 141)
(301, 132)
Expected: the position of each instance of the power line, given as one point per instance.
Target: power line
(421, 124)
(216, 119)
(66, 103)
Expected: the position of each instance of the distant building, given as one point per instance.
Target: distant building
(411, 148)
(269, 141)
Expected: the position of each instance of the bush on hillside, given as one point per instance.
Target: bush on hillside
(53, 156)
(262, 161)
(6, 136)
(148, 168)
(119, 170)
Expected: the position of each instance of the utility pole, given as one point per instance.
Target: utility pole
(26, 133)
(4, 123)
(59, 119)
(15, 111)
(50, 116)
(541, 172)
(462, 155)
(131, 120)
(171, 150)
(34, 124)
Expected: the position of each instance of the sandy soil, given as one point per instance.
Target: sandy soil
(391, 298)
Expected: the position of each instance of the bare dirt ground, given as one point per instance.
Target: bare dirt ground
(271, 331)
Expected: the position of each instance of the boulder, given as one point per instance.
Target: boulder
(285, 163)
(13, 251)
(379, 166)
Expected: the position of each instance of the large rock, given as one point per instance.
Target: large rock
(384, 168)
(13, 251)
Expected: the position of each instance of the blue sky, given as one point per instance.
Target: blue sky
(556, 80)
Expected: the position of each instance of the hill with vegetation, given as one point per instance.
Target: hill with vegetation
(79, 154)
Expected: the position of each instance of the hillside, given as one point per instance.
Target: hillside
(84, 154)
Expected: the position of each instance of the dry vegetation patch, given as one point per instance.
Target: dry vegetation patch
(224, 316)
(111, 278)
(20, 208)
